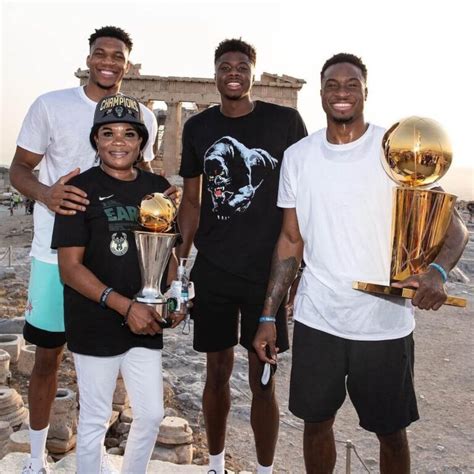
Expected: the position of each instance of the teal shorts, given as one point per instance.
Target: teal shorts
(45, 306)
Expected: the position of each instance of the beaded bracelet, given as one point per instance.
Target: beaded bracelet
(267, 319)
(125, 316)
(440, 270)
(103, 297)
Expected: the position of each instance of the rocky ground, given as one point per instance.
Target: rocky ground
(441, 442)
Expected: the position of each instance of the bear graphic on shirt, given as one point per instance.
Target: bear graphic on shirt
(234, 173)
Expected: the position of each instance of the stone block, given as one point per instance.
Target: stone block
(12, 326)
(20, 442)
(123, 428)
(111, 442)
(113, 418)
(26, 360)
(115, 450)
(7, 273)
(4, 367)
(170, 412)
(178, 455)
(63, 420)
(4, 449)
(12, 409)
(119, 408)
(5, 430)
(16, 418)
(173, 431)
(12, 343)
(126, 416)
(60, 446)
(120, 395)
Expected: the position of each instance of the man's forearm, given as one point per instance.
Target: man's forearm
(456, 239)
(285, 263)
(24, 180)
(188, 221)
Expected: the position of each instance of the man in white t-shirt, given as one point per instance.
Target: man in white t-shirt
(337, 204)
(55, 136)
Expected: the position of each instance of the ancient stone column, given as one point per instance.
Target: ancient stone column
(12, 409)
(174, 441)
(63, 422)
(26, 361)
(172, 138)
(5, 432)
(4, 367)
(12, 343)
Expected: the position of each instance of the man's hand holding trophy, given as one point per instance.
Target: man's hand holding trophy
(416, 153)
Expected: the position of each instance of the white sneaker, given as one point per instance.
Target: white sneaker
(35, 466)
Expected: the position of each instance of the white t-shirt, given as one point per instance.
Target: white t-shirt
(343, 201)
(58, 125)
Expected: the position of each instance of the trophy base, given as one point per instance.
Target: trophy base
(402, 292)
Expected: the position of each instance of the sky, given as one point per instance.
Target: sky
(418, 54)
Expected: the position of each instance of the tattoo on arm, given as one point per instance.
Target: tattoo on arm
(282, 275)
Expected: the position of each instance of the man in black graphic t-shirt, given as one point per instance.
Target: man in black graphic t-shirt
(230, 164)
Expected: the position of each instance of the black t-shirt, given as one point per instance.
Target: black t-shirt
(105, 229)
(240, 160)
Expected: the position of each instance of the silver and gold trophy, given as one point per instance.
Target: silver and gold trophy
(416, 152)
(154, 245)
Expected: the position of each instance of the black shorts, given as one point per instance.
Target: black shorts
(220, 297)
(378, 376)
(41, 338)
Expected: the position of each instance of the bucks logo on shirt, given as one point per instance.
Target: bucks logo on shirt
(234, 174)
(119, 244)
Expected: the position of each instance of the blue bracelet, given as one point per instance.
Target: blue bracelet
(441, 271)
(267, 319)
(103, 297)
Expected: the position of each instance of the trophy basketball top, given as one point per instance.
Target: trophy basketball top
(157, 212)
(416, 152)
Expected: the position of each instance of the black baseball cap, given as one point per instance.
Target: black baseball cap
(119, 108)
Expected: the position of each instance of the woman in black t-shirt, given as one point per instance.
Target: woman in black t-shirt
(105, 329)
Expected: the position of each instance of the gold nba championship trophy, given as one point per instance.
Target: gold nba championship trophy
(156, 214)
(416, 152)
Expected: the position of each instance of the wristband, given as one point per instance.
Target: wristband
(103, 297)
(440, 270)
(125, 316)
(266, 319)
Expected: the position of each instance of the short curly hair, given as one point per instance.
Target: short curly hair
(112, 32)
(232, 45)
(345, 58)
